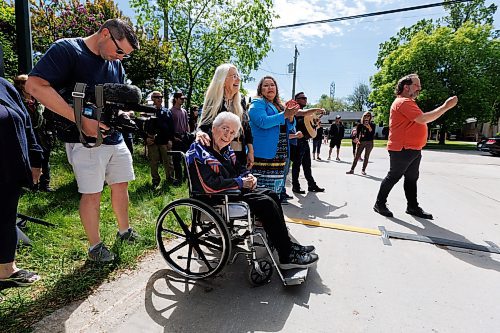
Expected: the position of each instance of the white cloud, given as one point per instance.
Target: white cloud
(297, 11)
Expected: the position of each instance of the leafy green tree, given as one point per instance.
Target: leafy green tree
(464, 62)
(442, 58)
(206, 33)
(473, 11)
(359, 98)
(54, 19)
(331, 104)
(8, 38)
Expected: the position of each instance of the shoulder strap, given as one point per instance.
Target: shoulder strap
(78, 99)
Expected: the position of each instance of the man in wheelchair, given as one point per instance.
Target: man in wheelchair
(213, 169)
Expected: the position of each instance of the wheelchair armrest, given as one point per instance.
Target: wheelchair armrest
(230, 193)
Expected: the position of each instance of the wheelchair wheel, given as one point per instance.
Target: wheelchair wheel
(260, 272)
(192, 238)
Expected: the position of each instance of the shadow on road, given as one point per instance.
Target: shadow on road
(476, 258)
(226, 303)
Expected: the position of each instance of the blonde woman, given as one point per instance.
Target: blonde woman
(223, 94)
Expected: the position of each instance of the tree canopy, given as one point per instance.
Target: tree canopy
(359, 98)
(331, 104)
(206, 33)
(463, 62)
(8, 38)
(456, 55)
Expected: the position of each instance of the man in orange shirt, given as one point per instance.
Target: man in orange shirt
(407, 137)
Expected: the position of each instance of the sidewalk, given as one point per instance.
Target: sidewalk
(359, 284)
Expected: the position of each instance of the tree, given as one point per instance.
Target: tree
(472, 11)
(8, 38)
(359, 98)
(464, 62)
(331, 104)
(52, 20)
(206, 33)
(460, 60)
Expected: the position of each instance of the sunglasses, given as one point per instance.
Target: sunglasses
(119, 50)
(303, 97)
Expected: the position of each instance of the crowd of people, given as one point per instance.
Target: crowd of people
(227, 146)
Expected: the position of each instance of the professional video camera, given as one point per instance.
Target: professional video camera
(103, 103)
(115, 97)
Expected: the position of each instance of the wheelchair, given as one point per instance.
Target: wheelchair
(198, 239)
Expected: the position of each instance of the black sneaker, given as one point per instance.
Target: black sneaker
(382, 210)
(101, 254)
(303, 248)
(298, 190)
(316, 189)
(130, 236)
(298, 259)
(286, 196)
(419, 212)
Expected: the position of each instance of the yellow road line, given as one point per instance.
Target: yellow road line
(334, 226)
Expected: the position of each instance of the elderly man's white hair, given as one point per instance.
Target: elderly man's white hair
(227, 117)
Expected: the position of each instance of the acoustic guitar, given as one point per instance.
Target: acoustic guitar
(311, 124)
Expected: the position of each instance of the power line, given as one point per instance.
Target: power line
(392, 11)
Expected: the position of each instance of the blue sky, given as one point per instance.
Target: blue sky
(340, 52)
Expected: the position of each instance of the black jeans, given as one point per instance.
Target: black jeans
(302, 157)
(403, 163)
(9, 197)
(266, 206)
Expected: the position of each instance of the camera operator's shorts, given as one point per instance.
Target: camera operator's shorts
(93, 166)
(335, 143)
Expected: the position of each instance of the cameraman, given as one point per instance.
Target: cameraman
(93, 60)
(159, 141)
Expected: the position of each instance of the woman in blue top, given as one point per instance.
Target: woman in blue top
(270, 122)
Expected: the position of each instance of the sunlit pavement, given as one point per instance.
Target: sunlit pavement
(359, 284)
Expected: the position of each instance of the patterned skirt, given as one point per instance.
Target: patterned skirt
(272, 170)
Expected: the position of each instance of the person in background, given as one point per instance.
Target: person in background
(42, 134)
(365, 132)
(271, 123)
(92, 60)
(407, 137)
(223, 94)
(20, 166)
(181, 130)
(336, 134)
(193, 118)
(214, 169)
(317, 142)
(354, 139)
(302, 156)
(159, 141)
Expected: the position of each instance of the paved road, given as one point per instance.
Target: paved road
(359, 284)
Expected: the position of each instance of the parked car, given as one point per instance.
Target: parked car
(493, 146)
(480, 145)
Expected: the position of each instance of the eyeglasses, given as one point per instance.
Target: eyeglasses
(119, 50)
(234, 76)
(302, 97)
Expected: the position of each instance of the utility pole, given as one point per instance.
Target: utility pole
(294, 70)
(23, 36)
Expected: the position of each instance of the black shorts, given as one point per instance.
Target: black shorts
(335, 142)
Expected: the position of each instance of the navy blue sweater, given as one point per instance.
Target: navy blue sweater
(19, 150)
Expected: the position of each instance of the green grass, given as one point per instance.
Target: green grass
(431, 144)
(59, 254)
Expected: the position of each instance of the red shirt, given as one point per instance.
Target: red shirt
(404, 132)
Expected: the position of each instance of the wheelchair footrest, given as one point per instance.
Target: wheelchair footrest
(294, 276)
